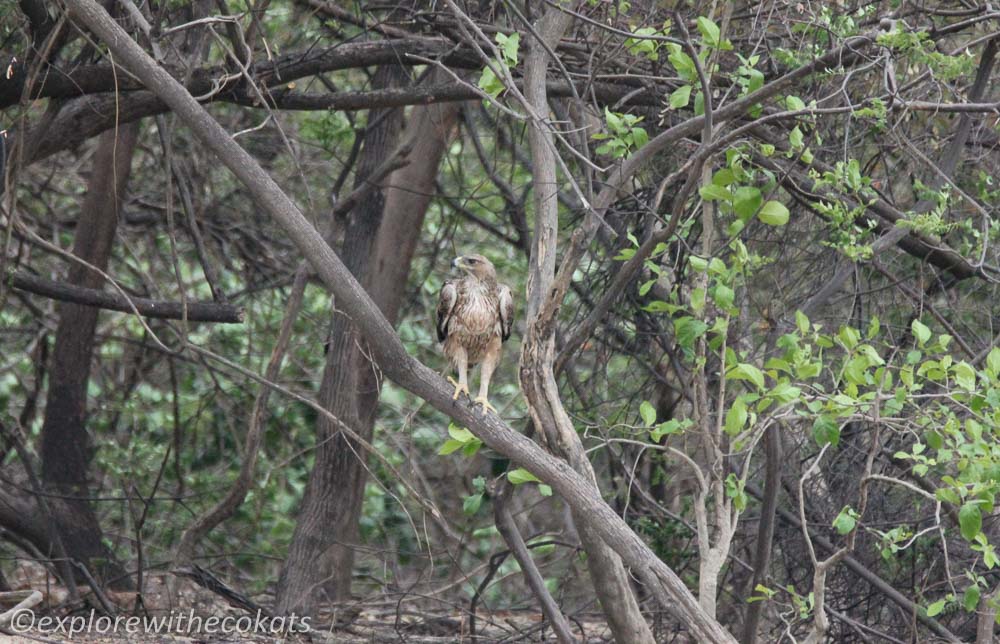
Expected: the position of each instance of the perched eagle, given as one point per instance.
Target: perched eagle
(474, 316)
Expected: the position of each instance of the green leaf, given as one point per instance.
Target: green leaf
(873, 327)
(450, 446)
(709, 31)
(965, 376)
(680, 97)
(472, 503)
(509, 46)
(746, 201)
(521, 475)
(795, 138)
(970, 520)
(749, 372)
(794, 103)
(846, 521)
(698, 299)
(736, 417)
(683, 63)
(947, 494)
(785, 393)
(826, 430)
(855, 371)
(614, 120)
(489, 83)
(671, 426)
(712, 192)
(724, 177)
(773, 213)
(869, 352)
(639, 137)
(993, 361)
(735, 491)
(970, 600)
(849, 336)
(626, 253)
(990, 559)
(648, 413)
(765, 593)
(802, 322)
(460, 434)
(921, 332)
(544, 490)
(716, 266)
(935, 608)
(687, 329)
(809, 369)
(724, 296)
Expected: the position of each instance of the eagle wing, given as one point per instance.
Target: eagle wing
(505, 305)
(446, 307)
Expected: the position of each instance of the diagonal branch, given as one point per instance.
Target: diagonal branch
(508, 530)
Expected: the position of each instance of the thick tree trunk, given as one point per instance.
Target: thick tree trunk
(320, 560)
(65, 444)
(410, 191)
(355, 395)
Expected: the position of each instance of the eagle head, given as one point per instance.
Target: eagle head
(476, 266)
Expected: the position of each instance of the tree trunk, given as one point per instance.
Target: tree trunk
(411, 188)
(610, 578)
(65, 445)
(400, 208)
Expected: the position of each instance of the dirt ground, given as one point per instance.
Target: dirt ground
(201, 610)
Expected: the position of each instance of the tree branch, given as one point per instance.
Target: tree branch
(508, 530)
(193, 311)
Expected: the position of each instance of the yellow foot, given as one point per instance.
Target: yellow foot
(459, 388)
(486, 405)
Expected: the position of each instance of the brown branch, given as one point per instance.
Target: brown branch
(508, 530)
(604, 94)
(27, 599)
(87, 117)
(102, 77)
(194, 311)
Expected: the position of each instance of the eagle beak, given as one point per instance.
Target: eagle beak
(457, 262)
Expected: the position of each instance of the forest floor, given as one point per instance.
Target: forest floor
(213, 613)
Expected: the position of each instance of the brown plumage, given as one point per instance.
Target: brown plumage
(474, 318)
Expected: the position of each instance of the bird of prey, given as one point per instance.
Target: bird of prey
(474, 316)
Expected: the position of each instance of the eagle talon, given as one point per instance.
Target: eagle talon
(485, 405)
(459, 388)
